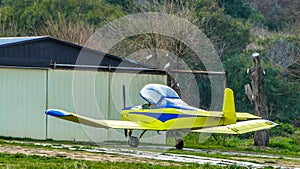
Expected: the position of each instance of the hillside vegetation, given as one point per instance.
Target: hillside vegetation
(237, 28)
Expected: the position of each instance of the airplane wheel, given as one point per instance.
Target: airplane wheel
(133, 141)
(179, 144)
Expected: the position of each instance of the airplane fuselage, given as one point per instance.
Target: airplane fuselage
(172, 118)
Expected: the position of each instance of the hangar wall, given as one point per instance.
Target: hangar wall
(22, 101)
(27, 93)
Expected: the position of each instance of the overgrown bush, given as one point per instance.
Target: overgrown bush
(288, 143)
(283, 129)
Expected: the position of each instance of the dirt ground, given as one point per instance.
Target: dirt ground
(145, 156)
(12, 149)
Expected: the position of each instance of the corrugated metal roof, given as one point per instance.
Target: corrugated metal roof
(13, 40)
(37, 55)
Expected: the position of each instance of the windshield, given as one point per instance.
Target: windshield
(154, 93)
(168, 101)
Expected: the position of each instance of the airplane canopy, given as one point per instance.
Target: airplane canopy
(155, 93)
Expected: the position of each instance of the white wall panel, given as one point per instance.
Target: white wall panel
(26, 93)
(23, 102)
(75, 92)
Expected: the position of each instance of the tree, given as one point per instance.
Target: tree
(73, 21)
(281, 63)
(228, 35)
(279, 14)
(237, 8)
(258, 98)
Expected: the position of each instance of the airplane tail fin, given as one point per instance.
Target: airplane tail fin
(229, 107)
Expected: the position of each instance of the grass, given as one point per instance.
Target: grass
(289, 146)
(278, 145)
(285, 143)
(21, 161)
(46, 141)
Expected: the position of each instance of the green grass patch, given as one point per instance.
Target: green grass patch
(231, 144)
(286, 143)
(220, 142)
(21, 161)
(278, 145)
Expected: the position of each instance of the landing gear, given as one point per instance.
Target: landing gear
(179, 144)
(177, 134)
(133, 141)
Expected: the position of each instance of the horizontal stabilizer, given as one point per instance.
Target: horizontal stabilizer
(246, 116)
(239, 127)
(117, 124)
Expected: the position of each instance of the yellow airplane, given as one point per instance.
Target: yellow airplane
(165, 111)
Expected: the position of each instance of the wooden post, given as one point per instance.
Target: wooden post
(258, 98)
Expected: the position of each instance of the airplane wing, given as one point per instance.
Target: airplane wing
(116, 124)
(239, 127)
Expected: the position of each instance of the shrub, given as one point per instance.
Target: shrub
(283, 129)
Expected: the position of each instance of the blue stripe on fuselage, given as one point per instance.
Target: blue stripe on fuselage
(163, 117)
